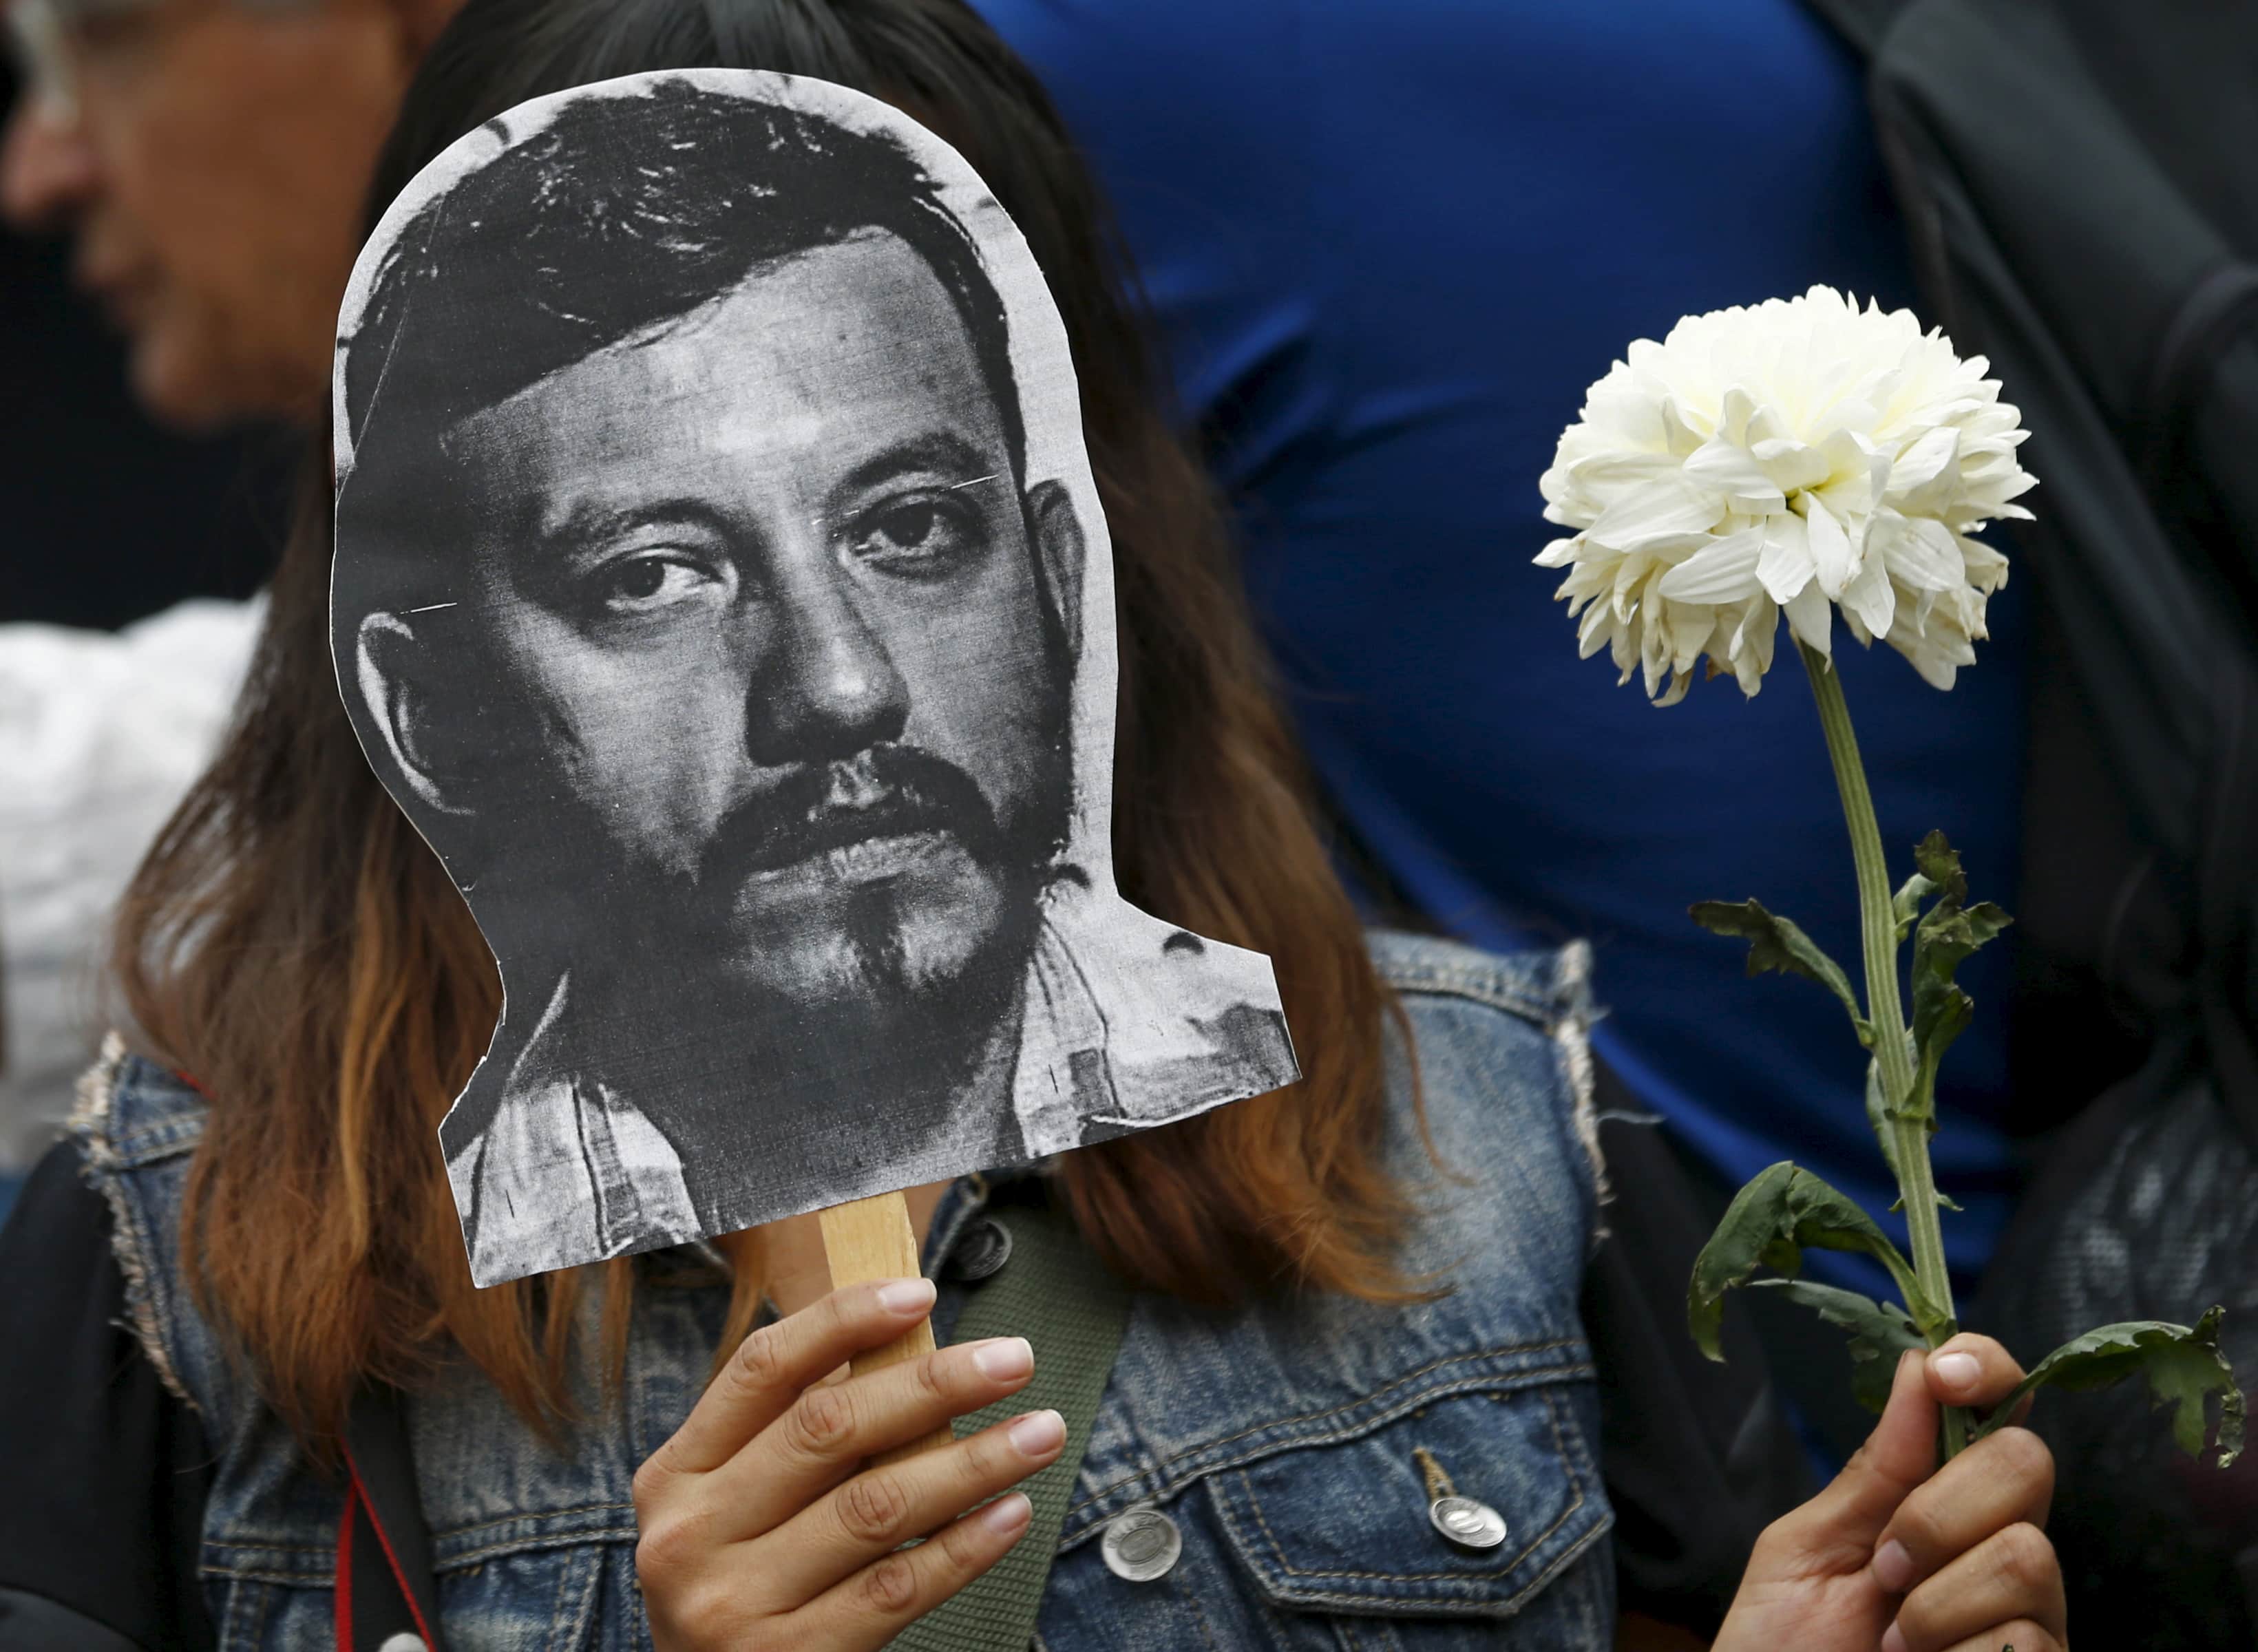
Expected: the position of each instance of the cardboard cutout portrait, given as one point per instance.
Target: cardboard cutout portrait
(721, 590)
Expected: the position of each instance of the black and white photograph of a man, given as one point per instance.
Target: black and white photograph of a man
(723, 591)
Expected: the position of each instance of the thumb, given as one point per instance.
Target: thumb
(1840, 1526)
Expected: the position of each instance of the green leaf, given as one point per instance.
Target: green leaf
(1940, 864)
(1948, 933)
(1776, 943)
(1905, 905)
(2184, 1365)
(1879, 1332)
(1940, 1013)
(1772, 1221)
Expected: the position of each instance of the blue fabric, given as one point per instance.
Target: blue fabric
(1391, 243)
(1279, 1438)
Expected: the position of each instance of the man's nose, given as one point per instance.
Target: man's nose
(834, 690)
(48, 167)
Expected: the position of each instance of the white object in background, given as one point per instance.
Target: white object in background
(101, 733)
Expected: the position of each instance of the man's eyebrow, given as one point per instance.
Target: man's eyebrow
(589, 521)
(942, 451)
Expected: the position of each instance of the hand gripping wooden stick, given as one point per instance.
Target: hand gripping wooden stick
(868, 1239)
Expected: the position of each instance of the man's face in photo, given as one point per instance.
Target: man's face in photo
(785, 638)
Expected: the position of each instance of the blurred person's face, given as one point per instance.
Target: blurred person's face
(210, 157)
(759, 598)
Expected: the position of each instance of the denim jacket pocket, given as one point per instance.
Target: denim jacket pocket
(1313, 1529)
(1345, 1522)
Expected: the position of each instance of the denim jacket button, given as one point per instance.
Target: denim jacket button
(1469, 1524)
(981, 1254)
(1142, 1544)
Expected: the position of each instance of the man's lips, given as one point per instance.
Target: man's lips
(882, 812)
(865, 860)
(843, 835)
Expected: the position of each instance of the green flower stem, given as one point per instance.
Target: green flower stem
(1916, 1181)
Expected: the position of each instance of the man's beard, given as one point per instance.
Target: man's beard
(834, 811)
(880, 1037)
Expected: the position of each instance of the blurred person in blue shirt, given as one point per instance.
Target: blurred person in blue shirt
(1390, 245)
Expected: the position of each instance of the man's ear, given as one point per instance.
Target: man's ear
(1061, 556)
(388, 670)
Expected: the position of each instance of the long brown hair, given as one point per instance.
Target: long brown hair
(291, 943)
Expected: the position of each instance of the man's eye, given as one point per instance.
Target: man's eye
(915, 532)
(639, 584)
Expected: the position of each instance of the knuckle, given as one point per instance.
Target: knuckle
(890, 1587)
(962, 1547)
(666, 1547)
(986, 1457)
(932, 1377)
(2021, 1455)
(2026, 1558)
(873, 1507)
(644, 1489)
(820, 1420)
(1919, 1525)
(760, 1359)
(701, 1615)
(1931, 1615)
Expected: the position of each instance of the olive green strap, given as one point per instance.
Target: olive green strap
(1056, 1294)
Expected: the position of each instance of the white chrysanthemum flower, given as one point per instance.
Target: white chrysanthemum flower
(1793, 459)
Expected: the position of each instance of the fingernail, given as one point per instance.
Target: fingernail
(1004, 1358)
(1893, 1638)
(1007, 1517)
(1956, 1371)
(906, 1296)
(1893, 1567)
(1038, 1434)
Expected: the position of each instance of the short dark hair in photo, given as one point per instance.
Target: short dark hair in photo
(704, 187)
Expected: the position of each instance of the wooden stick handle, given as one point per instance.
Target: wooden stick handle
(868, 1239)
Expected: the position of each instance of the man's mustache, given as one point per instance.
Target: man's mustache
(888, 791)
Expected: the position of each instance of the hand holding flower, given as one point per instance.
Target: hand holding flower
(1900, 1553)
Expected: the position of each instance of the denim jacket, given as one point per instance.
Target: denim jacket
(1292, 1444)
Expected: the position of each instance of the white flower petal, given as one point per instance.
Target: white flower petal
(1869, 601)
(1987, 569)
(1664, 506)
(1810, 617)
(1681, 437)
(1785, 567)
(1923, 481)
(1607, 476)
(1830, 546)
(1724, 572)
(1922, 553)
(1789, 464)
(1763, 630)
(1591, 632)
(1691, 625)
(1730, 471)
(1733, 422)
